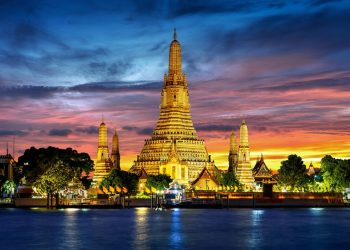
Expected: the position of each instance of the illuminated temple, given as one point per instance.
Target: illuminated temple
(239, 156)
(174, 148)
(104, 162)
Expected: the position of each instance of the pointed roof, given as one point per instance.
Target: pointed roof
(142, 173)
(173, 156)
(261, 170)
(205, 174)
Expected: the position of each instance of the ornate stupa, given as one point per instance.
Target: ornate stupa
(174, 147)
(244, 170)
(115, 155)
(102, 163)
(233, 155)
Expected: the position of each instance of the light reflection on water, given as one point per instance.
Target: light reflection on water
(141, 227)
(175, 233)
(70, 228)
(256, 233)
(144, 228)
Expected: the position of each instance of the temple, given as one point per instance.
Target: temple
(239, 156)
(115, 155)
(105, 162)
(174, 148)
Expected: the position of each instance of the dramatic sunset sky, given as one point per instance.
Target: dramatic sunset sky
(284, 66)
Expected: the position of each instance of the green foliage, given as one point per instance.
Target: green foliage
(7, 188)
(336, 173)
(159, 182)
(121, 179)
(55, 178)
(228, 179)
(292, 174)
(35, 162)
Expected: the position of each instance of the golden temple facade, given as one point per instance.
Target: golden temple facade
(239, 156)
(104, 162)
(174, 147)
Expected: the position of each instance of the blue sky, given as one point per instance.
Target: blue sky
(282, 65)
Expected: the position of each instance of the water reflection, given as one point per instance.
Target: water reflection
(316, 210)
(142, 228)
(256, 229)
(175, 229)
(70, 229)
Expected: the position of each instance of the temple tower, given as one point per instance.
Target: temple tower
(115, 155)
(102, 163)
(233, 155)
(174, 127)
(244, 171)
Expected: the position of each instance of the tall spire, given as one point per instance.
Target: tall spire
(115, 155)
(243, 136)
(233, 154)
(233, 142)
(102, 163)
(175, 57)
(102, 135)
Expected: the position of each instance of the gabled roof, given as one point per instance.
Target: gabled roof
(143, 174)
(205, 174)
(261, 170)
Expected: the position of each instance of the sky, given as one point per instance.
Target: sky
(283, 66)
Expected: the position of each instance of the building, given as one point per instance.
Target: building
(102, 163)
(105, 162)
(239, 156)
(233, 155)
(205, 181)
(174, 147)
(263, 177)
(312, 171)
(7, 163)
(115, 155)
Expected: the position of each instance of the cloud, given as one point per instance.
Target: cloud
(59, 132)
(218, 127)
(13, 132)
(278, 33)
(87, 130)
(29, 36)
(28, 91)
(139, 131)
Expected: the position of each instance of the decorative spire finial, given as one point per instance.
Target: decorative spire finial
(174, 33)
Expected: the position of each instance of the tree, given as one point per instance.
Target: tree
(8, 188)
(292, 173)
(336, 173)
(121, 179)
(228, 179)
(55, 178)
(35, 162)
(159, 182)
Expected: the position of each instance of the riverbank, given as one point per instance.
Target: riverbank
(194, 200)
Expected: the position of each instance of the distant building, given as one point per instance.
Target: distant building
(263, 177)
(239, 156)
(233, 155)
(312, 171)
(115, 155)
(104, 162)
(206, 180)
(262, 174)
(7, 163)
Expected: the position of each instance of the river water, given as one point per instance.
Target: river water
(143, 228)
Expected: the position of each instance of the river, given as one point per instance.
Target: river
(143, 228)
